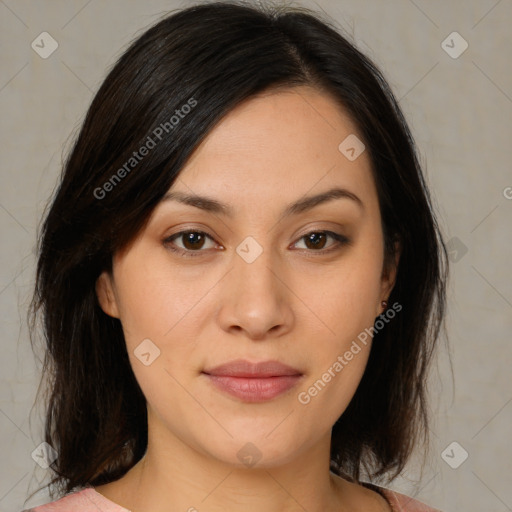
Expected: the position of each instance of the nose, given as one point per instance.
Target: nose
(256, 300)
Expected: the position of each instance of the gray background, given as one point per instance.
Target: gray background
(459, 110)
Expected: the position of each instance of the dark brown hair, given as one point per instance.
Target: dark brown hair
(217, 55)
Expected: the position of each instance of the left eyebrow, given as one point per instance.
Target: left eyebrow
(307, 203)
(310, 202)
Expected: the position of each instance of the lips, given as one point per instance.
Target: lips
(242, 368)
(253, 382)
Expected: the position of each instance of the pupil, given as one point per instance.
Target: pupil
(189, 239)
(320, 238)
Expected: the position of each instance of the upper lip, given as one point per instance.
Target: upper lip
(243, 368)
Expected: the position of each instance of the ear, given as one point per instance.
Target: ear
(106, 295)
(389, 272)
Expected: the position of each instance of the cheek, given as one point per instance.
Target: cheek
(154, 299)
(347, 294)
(339, 359)
(157, 314)
(345, 301)
(167, 307)
(330, 390)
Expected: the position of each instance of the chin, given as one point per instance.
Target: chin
(259, 447)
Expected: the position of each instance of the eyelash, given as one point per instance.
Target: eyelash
(340, 239)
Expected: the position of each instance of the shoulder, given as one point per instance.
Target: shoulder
(84, 500)
(402, 503)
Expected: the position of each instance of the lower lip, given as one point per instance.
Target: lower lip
(254, 389)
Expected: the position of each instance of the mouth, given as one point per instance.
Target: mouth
(253, 382)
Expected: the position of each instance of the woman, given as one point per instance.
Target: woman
(241, 277)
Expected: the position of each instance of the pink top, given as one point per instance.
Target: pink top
(89, 500)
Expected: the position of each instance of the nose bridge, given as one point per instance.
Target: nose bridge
(255, 266)
(256, 301)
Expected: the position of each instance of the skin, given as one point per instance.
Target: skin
(296, 303)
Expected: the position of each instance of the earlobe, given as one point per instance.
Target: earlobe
(105, 294)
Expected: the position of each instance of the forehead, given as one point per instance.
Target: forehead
(278, 144)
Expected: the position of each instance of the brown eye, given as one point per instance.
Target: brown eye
(191, 242)
(316, 240)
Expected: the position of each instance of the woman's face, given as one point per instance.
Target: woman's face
(256, 280)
